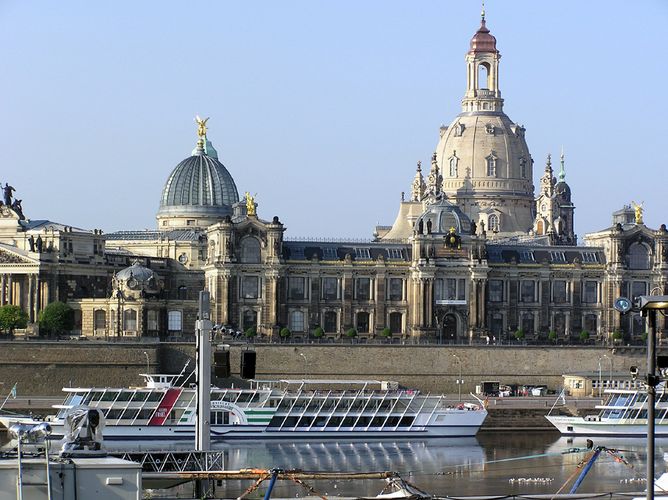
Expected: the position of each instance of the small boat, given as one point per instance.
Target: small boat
(624, 413)
(281, 409)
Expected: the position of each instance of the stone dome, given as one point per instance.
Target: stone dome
(199, 187)
(136, 280)
(141, 273)
(443, 215)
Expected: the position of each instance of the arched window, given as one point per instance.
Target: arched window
(249, 319)
(453, 164)
(396, 323)
(362, 322)
(491, 165)
(483, 76)
(250, 251)
(100, 319)
(540, 227)
(493, 223)
(297, 321)
(330, 322)
(130, 320)
(523, 167)
(174, 321)
(638, 256)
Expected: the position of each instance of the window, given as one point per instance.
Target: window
(297, 321)
(183, 292)
(638, 288)
(449, 289)
(527, 256)
(638, 256)
(363, 288)
(330, 321)
(559, 294)
(523, 167)
(77, 319)
(527, 322)
(590, 323)
(330, 288)
(174, 321)
(483, 75)
(297, 288)
(453, 164)
(493, 223)
(130, 320)
(559, 324)
(250, 286)
(362, 322)
(589, 257)
(297, 253)
(396, 323)
(558, 257)
(491, 165)
(394, 253)
(100, 319)
(590, 292)
(527, 291)
(362, 253)
(395, 289)
(496, 290)
(496, 325)
(329, 253)
(250, 250)
(152, 320)
(249, 319)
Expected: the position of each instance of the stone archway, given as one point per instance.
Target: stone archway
(450, 328)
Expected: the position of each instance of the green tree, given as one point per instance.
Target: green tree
(351, 334)
(11, 318)
(584, 336)
(56, 318)
(552, 336)
(519, 334)
(386, 332)
(617, 336)
(250, 332)
(285, 333)
(318, 333)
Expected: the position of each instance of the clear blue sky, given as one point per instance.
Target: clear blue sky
(321, 108)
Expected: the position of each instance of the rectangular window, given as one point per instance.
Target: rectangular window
(394, 253)
(527, 291)
(297, 288)
(100, 319)
(461, 289)
(638, 288)
(396, 325)
(330, 287)
(557, 257)
(174, 323)
(527, 323)
(396, 289)
(152, 320)
(496, 290)
(249, 287)
(330, 321)
(297, 321)
(362, 253)
(559, 295)
(590, 292)
(450, 289)
(363, 288)
(589, 257)
(527, 256)
(329, 253)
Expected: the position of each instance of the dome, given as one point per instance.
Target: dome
(199, 186)
(443, 216)
(138, 272)
(483, 40)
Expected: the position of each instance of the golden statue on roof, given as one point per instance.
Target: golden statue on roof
(638, 210)
(250, 204)
(201, 126)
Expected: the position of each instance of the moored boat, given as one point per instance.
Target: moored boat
(292, 409)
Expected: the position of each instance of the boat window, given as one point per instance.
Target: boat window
(130, 413)
(125, 396)
(244, 397)
(320, 421)
(290, 422)
(406, 421)
(334, 422)
(114, 414)
(139, 396)
(109, 396)
(145, 414)
(377, 421)
(231, 397)
(348, 422)
(314, 405)
(255, 398)
(362, 422)
(94, 396)
(155, 396)
(305, 421)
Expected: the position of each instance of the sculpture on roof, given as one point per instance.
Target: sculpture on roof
(638, 211)
(250, 204)
(8, 194)
(16, 206)
(201, 126)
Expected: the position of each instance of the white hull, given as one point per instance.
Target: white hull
(578, 426)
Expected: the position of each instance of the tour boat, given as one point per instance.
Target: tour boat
(624, 413)
(293, 409)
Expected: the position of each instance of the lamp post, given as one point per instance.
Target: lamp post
(305, 363)
(147, 363)
(459, 380)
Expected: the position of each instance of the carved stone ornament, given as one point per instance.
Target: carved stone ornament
(10, 258)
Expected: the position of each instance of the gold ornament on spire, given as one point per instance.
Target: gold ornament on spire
(201, 126)
(638, 210)
(250, 204)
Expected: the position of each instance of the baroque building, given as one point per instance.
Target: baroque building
(472, 256)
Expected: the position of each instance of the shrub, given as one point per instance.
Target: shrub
(250, 332)
(12, 317)
(644, 336)
(519, 334)
(56, 318)
(386, 332)
(285, 333)
(617, 336)
(584, 336)
(352, 333)
(318, 332)
(552, 336)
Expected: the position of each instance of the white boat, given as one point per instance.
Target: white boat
(624, 413)
(283, 409)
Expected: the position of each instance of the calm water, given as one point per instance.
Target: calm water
(461, 466)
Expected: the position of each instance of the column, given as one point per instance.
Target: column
(10, 297)
(31, 298)
(3, 293)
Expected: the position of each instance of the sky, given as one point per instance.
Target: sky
(320, 109)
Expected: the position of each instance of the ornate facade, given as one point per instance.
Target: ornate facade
(472, 254)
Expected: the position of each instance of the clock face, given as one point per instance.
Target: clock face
(132, 283)
(622, 304)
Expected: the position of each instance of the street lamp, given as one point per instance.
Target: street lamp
(147, 363)
(459, 380)
(305, 363)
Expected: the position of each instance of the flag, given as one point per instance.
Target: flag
(13, 393)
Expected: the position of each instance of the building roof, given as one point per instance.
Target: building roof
(336, 251)
(150, 235)
(41, 224)
(526, 254)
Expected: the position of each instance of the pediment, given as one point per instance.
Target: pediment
(7, 257)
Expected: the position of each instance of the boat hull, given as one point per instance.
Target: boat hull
(579, 426)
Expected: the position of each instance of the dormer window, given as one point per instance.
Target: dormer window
(362, 253)
(559, 257)
(491, 164)
(490, 129)
(394, 253)
(493, 223)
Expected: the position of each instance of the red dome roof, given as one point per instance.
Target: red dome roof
(483, 41)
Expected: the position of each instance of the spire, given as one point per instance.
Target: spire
(418, 187)
(482, 13)
(562, 172)
(548, 165)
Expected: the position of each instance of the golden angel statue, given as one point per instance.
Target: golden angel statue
(638, 210)
(201, 126)
(250, 204)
